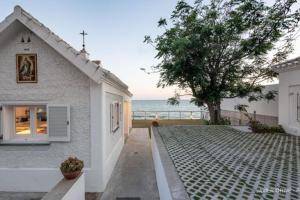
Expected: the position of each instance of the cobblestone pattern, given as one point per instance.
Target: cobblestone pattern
(217, 162)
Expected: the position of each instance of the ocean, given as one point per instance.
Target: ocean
(151, 109)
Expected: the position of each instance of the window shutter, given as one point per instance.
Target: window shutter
(121, 111)
(111, 117)
(1, 131)
(59, 123)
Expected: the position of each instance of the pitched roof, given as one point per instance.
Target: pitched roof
(289, 65)
(93, 71)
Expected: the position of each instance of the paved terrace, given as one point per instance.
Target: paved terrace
(134, 175)
(218, 162)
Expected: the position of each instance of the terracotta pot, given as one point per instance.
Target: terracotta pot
(71, 175)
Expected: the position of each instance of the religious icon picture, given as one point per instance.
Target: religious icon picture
(26, 68)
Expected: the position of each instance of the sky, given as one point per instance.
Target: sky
(116, 30)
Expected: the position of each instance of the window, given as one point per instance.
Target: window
(34, 123)
(41, 120)
(30, 120)
(115, 116)
(22, 120)
(24, 123)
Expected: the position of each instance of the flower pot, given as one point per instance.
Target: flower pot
(71, 175)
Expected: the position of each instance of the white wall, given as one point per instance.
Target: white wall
(287, 80)
(77, 191)
(111, 138)
(94, 175)
(161, 179)
(262, 107)
(112, 142)
(127, 117)
(59, 82)
(35, 168)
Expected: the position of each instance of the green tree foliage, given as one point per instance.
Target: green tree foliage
(224, 48)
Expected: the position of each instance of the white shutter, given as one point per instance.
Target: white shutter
(121, 111)
(111, 117)
(59, 123)
(1, 131)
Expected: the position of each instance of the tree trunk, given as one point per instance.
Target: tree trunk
(214, 109)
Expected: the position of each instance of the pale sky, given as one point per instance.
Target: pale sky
(116, 29)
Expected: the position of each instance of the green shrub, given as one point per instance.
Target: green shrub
(258, 127)
(205, 122)
(222, 121)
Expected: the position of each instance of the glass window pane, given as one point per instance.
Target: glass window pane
(41, 120)
(115, 112)
(22, 120)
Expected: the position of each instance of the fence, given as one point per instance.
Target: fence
(235, 117)
(150, 115)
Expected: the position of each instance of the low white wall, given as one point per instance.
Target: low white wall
(162, 183)
(28, 179)
(170, 187)
(77, 191)
(37, 179)
(111, 161)
(68, 189)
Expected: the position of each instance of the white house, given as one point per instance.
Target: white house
(289, 95)
(286, 105)
(55, 103)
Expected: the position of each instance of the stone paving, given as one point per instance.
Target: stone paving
(134, 175)
(218, 162)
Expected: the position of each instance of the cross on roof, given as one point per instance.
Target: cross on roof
(83, 38)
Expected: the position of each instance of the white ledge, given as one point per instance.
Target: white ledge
(67, 190)
(20, 143)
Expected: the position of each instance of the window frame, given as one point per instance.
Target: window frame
(33, 124)
(11, 135)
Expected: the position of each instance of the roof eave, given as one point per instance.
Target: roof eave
(288, 65)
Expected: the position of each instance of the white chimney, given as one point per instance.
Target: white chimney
(84, 53)
(97, 62)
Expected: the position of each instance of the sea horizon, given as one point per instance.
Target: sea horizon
(153, 108)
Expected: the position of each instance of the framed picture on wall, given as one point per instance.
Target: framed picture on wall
(26, 68)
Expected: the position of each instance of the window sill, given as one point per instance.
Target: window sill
(23, 143)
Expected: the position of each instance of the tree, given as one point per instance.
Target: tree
(223, 49)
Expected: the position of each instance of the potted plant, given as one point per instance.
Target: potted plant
(71, 167)
(155, 123)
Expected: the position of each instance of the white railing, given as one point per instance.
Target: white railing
(183, 114)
